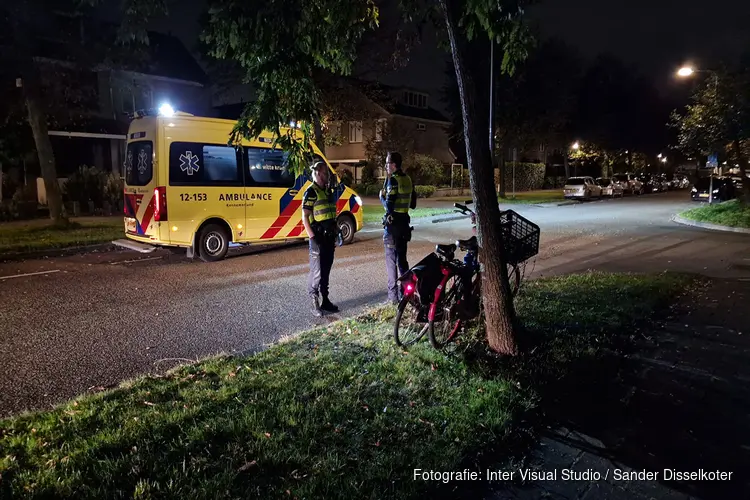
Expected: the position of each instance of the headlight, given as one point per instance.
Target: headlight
(694, 190)
(716, 191)
(358, 200)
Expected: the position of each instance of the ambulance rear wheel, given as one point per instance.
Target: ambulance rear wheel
(213, 243)
(347, 228)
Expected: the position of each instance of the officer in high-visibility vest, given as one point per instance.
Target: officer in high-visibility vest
(319, 219)
(397, 197)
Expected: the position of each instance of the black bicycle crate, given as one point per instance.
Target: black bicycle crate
(520, 237)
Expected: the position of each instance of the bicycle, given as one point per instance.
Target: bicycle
(441, 290)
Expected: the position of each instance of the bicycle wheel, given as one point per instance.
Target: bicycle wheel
(408, 330)
(446, 323)
(514, 279)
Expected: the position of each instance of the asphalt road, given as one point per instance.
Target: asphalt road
(90, 321)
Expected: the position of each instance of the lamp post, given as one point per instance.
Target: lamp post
(576, 146)
(687, 72)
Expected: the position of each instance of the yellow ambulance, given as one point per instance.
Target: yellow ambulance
(185, 187)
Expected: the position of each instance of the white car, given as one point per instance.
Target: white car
(630, 184)
(610, 187)
(581, 188)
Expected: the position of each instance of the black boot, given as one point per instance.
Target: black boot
(327, 306)
(316, 308)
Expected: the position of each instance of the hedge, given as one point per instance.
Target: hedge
(424, 191)
(528, 176)
(555, 182)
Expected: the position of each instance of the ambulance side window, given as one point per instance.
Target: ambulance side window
(267, 167)
(197, 164)
(139, 166)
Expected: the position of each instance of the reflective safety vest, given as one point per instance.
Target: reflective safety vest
(324, 208)
(403, 195)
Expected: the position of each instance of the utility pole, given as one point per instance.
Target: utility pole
(492, 118)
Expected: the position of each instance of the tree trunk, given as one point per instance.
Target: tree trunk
(498, 302)
(37, 115)
(745, 198)
(319, 137)
(38, 124)
(567, 165)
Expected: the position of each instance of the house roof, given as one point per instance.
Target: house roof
(383, 95)
(378, 93)
(165, 55)
(170, 58)
(423, 113)
(230, 111)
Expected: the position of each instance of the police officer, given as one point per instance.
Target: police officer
(397, 197)
(319, 219)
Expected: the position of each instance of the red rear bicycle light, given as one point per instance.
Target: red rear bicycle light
(409, 289)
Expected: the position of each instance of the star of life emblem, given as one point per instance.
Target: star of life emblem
(142, 161)
(189, 163)
(129, 162)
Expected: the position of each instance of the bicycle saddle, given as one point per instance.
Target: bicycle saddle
(470, 244)
(446, 251)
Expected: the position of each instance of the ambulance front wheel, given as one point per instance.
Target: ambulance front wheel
(347, 227)
(213, 243)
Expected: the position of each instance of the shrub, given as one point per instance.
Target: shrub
(87, 184)
(426, 170)
(347, 178)
(372, 189)
(424, 191)
(528, 176)
(113, 191)
(23, 205)
(554, 182)
(368, 174)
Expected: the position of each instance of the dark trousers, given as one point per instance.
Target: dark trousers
(395, 262)
(321, 261)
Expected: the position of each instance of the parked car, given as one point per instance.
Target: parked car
(630, 184)
(723, 189)
(581, 188)
(679, 181)
(737, 181)
(662, 182)
(610, 187)
(650, 184)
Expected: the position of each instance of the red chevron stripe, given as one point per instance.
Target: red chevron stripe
(148, 214)
(297, 230)
(281, 220)
(340, 204)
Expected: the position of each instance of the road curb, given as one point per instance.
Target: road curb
(58, 252)
(708, 225)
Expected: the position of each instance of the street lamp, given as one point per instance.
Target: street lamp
(659, 155)
(685, 71)
(576, 145)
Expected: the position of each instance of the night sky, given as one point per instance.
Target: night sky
(657, 35)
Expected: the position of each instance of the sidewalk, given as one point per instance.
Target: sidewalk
(679, 400)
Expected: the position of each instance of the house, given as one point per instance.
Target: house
(406, 111)
(372, 110)
(98, 96)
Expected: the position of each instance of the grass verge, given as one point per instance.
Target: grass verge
(375, 214)
(37, 235)
(730, 213)
(339, 412)
(524, 197)
(534, 197)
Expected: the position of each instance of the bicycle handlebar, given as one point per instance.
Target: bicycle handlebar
(463, 209)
